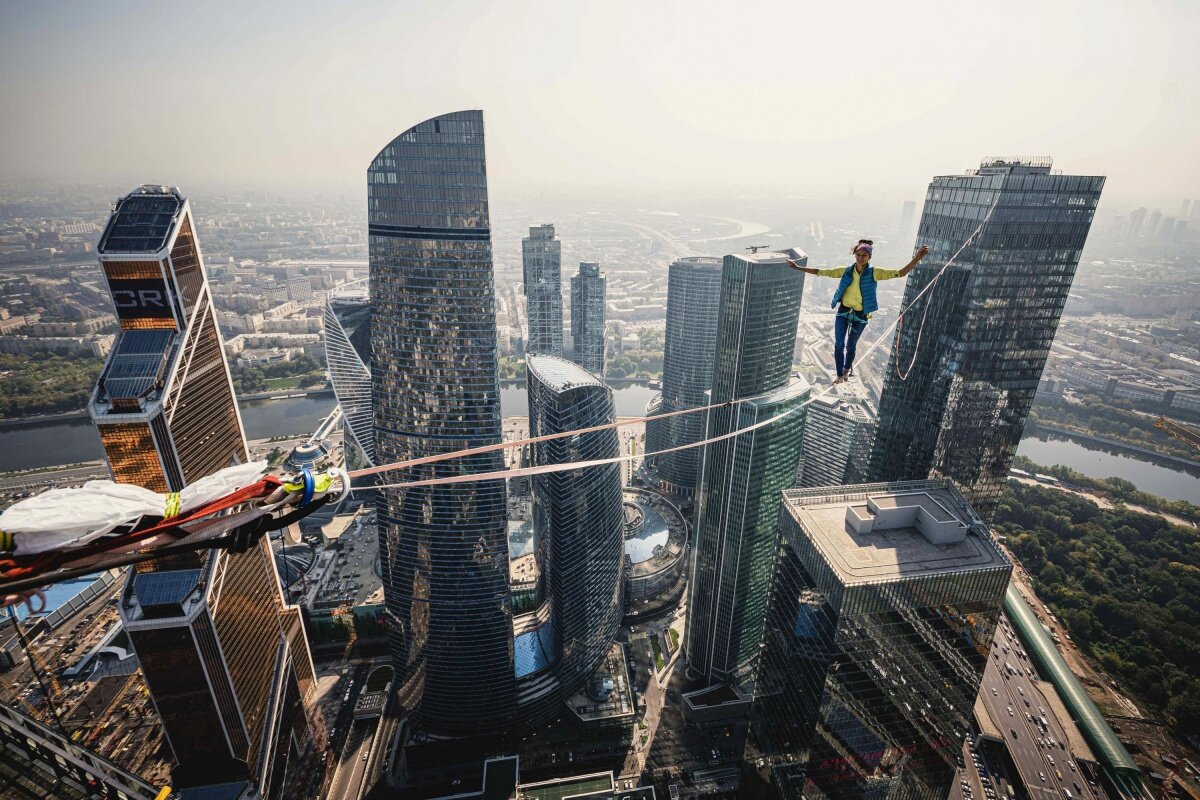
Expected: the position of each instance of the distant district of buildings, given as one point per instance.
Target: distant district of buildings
(713, 604)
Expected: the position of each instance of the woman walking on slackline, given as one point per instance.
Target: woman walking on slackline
(855, 299)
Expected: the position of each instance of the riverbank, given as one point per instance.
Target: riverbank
(82, 414)
(43, 419)
(1133, 449)
(1107, 504)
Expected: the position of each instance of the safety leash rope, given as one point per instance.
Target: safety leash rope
(903, 376)
(544, 469)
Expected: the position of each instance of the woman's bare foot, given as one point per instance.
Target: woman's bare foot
(839, 379)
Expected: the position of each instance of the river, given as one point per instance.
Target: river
(1096, 462)
(71, 441)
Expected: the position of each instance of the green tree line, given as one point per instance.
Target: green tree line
(1115, 420)
(1118, 490)
(1125, 584)
(46, 383)
(250, 379)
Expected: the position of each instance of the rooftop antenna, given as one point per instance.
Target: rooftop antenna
(754, 248)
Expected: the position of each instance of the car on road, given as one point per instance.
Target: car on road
(1042, 776)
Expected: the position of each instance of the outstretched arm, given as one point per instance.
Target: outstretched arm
(924, 251)
(809, 270)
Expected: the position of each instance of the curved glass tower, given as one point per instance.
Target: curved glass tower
(693, 293)
(578, 516)
(443, 549)
(348, 354)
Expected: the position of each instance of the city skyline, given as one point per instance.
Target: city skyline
(946, 578)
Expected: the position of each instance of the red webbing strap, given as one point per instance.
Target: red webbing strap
(45, 562)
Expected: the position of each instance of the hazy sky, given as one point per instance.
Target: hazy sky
(814, 95)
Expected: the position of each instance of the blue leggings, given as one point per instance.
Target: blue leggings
(843, 345)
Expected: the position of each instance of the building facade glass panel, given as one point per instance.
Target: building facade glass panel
(988, 323)
(211, 619)
(588, 317)
(348, 354)
(693, 294)
(875, 646)
(541, 260)
(742, 476)
(578, 515)
(434, 359)
(837, 438)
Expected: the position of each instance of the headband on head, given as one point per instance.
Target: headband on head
(864, 248)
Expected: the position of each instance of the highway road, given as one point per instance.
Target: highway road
(1016, 705)
(347, 781)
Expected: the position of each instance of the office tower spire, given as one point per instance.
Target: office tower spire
(883, 606)
(587, 317)
(742, 476)
(443, 549)
(988, 323)
(693, 292)
(541, 260)
(226, 663)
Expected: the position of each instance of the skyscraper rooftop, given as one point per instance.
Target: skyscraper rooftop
(872, 532)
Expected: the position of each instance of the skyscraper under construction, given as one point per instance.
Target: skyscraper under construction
(960, 381)
(227, 663)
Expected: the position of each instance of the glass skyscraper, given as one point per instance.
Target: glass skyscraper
(741, 477)
(989, 322)
(837, 437)
(443, 549)
(883, 606)
(587, 317)
(578, 522)
(348, 355)
(693, 293)
(227, 663)
(541, 260)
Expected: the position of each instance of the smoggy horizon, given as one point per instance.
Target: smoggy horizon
(768, 98)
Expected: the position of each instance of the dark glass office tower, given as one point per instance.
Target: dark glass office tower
(220, 652)
(838, 433)
(443, 549)
(587, 317)
(742, 476)
(541, 260)
(693, 292)
(348, 354)
(883, 607)
(989, 322)
(578, 522)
